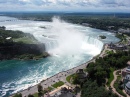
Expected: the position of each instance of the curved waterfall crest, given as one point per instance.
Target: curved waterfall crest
(94, 41)
(87, 44)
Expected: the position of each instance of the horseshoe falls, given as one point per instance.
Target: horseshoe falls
(69, 44)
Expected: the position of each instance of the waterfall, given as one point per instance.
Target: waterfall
(97, 43)
(87, 44)
(49, 45)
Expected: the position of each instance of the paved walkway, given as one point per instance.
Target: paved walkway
(58, 89)
(125, 93)
(112, 84)
(79, 94)
(103, 53)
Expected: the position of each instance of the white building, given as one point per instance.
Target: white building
(127, 88)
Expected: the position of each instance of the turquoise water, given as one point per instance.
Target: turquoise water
(16, 75)
(69, 45)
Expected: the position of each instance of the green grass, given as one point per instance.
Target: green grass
(50, 89)
(116, 86)
(35, 95)
(58, 84)
(109, 52)
(111, 77)
(25, 40)
(68, 78)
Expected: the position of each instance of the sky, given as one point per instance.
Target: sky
(66, 5)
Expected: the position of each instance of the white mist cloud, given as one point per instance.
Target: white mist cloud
(69, 39)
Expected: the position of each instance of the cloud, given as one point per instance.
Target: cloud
(116, 3)
(65, 5)
(25, 0)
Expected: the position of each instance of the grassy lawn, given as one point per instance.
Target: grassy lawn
(25, 40)
(109, 52)
(58, 84)
(111, 77)
(116, 84)
(50, 89)
(68, 78)
(35, 95)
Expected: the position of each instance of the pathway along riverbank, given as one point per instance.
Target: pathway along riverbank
(61, 76)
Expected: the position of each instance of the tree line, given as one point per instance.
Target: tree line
(99, 71)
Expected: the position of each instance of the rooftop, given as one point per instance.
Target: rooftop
(128, 85)
(128, 69)
(127, 77)
(128, 62)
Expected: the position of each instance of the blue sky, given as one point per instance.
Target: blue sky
(66, 5)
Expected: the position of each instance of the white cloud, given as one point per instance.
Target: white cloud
(66, 5)
(52, 1)
(25, 0)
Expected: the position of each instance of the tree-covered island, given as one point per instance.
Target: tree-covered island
(19, 45)
(102, 37)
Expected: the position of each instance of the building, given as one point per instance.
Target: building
(47, 95)
(121, 30)
(64, 92)
(3, 28)
(117, 46)
(125, 71)
(126, 79)
(127, 88)
(81, 74)
(126, 84)
(68, 94)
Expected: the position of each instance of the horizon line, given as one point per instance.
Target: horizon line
(59, 12)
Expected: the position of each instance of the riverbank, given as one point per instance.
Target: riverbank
(59, 76)
(32, 56)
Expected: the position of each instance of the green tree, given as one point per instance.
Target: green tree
(91, 89)
(18, 95)
(76, 79)
(40, 88)
(30, 95)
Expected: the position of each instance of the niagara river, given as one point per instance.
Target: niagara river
(69, 45)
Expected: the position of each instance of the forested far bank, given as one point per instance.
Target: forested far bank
(112, 22)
